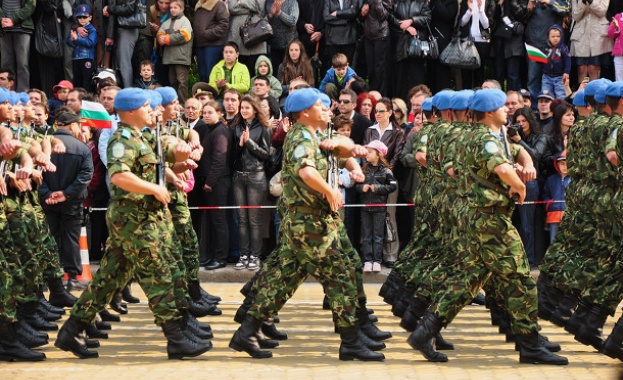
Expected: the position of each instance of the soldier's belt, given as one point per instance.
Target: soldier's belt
(313, 211)
(147, 205)
(492, 210)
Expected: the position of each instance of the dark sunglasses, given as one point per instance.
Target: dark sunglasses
(342, 101)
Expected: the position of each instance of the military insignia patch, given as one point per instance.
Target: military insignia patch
(118, 150)
(491, 147)
(299, 152)
(127, 134)
(424, 139)
(307, 135)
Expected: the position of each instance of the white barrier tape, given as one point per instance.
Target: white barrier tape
(345, 206)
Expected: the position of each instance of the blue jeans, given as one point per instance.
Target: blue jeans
(373, 232)
(250, 189)
(535, 75)
(207, 57)
(554, 85)
(526, 216)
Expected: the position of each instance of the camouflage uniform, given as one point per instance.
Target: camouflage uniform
(492, 244)
(136, 228)
(310, 239)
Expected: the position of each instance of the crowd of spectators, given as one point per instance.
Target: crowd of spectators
(354, 50)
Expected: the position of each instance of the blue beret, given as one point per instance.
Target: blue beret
(156, 99)
(168, 94)
(487, 100)
(600, 92)
(326, 101)
(427, 105)
(130, 99)
(592, 86)
(4, 94)
(614, 89)
(302, 99)
(442, 99)
(24, 98)
(579, 100)
(13, 98)
(460, 100)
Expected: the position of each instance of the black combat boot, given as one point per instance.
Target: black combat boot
(373, 345)
(579, 317)
(543, 342)
(127, 296)
(245, 339)
(241, 313)
(370, 328)
(270, 330)
(59, 296)
(248, 285)
(613, 346)
(179, 345)
(325, 303)
(72, 338)
(423, 338)
(191, 325)
(30, 314)
(443, 345)
(496, 314)
(94, 333)
(197, 294)
(118, 305)
(46, 314)
(12, 349)
(107, 317)
(533, 352)
(389, 283)
(264, 342)
(48, 306)
(30, 337)
(210, 298)
(203, 326)
(564, 310)
(199, 309)
(548, 297)
(352, 348)
(591, 333)
(413, 314)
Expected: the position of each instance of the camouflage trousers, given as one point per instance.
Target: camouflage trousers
(133, 250)
(18, 219)
(574, 239)
(172, 252)
(310, 245)
(186, 236)
(9, 271)
(48, 254)
(492, 248)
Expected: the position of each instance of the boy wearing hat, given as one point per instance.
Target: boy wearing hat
(83, 53)
(494, 247)
(136, 227)
(61, 90)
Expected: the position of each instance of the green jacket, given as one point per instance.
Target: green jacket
(241, 80)
(23, 17)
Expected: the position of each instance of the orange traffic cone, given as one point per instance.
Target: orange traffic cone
(84, 257)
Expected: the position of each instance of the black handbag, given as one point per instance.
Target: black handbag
(504, 31)
(460, 54)
(254, 33)
(423, 48)
(48, 36)
(137, 20)
(390, 233)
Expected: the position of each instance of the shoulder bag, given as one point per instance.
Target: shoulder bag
(461, 54)
(423, 48)
(390, 232)
(254, 33)
(137, 20)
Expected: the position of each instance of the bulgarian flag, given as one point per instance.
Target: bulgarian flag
(95, 115)
(535, 54)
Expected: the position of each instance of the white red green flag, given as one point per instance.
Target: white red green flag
(95, 115)
(536, 54)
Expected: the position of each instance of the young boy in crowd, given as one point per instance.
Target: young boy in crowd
(176, 35)
(147, 80)
(556, 70)
(263, 67)
(343, 125)
(83, 53)
(229, 73)
(61, 90)
(554, 190)
(337, 76)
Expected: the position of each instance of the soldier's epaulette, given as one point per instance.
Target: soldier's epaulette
(126, 134)
(307, 135)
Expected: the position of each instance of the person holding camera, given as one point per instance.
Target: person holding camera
(526, 132)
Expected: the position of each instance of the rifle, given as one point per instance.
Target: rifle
(160, 166)
(332, 173)
(31, 130)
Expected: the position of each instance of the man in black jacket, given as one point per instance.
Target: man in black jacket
(62, 193)
(340, 27)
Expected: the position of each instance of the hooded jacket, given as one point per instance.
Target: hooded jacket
(239, 77)
(275, 85)
(558, 58)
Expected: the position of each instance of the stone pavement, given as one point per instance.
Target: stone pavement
(136, 349)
